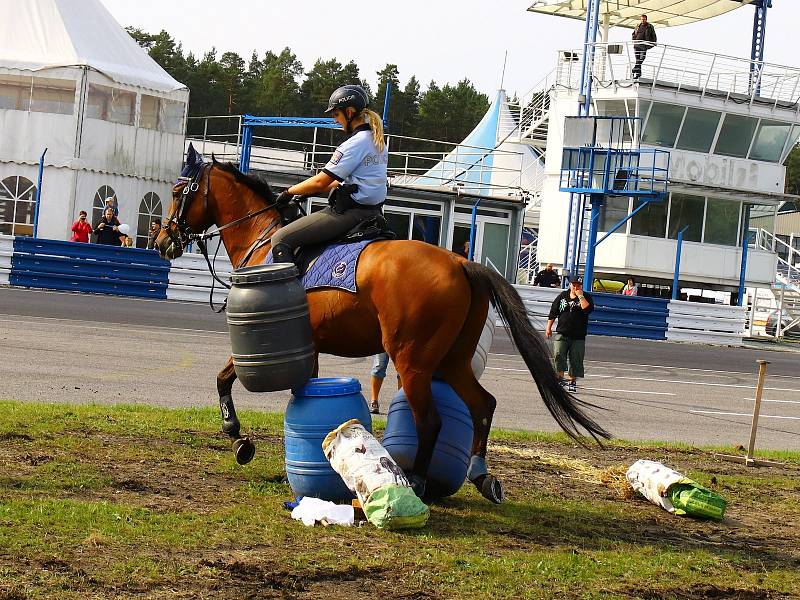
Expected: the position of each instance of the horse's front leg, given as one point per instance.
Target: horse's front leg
(242, 447)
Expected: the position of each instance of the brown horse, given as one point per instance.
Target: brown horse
(422, 304)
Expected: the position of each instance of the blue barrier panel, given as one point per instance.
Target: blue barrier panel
(72, 266)
(629, 316)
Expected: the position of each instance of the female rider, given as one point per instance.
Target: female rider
(356, 174)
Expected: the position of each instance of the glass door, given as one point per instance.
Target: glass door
(494, 246)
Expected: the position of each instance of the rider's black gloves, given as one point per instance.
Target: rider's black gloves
(283, 199)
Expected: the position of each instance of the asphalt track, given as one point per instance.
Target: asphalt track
(88, 348)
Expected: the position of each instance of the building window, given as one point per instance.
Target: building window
(735, 136)
(614, 209)
(651, 220)
(110, 104)
(399, 223)
(770, 140)
(722, 222)
(699, 129)
(686, 211)
(427, 228)
(663, 124)
(99, 202)
(17, 203)
(149, 208)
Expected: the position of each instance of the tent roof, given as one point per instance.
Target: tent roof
(42, 34)
(626, 13)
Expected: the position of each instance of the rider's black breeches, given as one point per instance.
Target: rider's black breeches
(322, 226)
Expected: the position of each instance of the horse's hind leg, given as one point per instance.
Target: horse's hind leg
(243, 448)
(481, 405)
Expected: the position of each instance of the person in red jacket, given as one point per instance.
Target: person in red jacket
(81, 228)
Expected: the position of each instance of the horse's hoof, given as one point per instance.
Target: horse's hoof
(418, 485)
(244, 450)
(492, 489)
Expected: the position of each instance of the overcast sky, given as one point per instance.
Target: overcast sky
(444, 40)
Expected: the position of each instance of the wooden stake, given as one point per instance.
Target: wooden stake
(762, 373)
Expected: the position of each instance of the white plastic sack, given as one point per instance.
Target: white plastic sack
(360, 460)
(312, 510)
(651, 479)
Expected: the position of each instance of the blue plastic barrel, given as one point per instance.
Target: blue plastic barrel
(453, 448)
(315, 410)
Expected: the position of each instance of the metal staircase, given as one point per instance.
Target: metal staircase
(786, 289)
(532, 113)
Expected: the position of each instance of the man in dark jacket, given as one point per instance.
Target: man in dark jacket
(571, 307)
(645, 35)
(107, 229)
(547, 277)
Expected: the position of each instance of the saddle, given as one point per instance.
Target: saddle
(372, 229)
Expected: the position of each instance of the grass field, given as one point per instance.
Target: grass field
(137, 502)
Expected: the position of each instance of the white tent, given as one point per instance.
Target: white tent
(489, 161)
(43, 34)
(626, 13)
(112, 120)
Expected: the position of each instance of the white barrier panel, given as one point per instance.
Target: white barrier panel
(6, 252)
(537, 302)
(705, 323)
(190, 280)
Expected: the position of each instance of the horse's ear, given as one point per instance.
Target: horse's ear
(191, 155)
(214, 159)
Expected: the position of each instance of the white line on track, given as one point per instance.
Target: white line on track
(626, 391)
(776, 401)
(29, 320)
(733, 414)
(600, 363)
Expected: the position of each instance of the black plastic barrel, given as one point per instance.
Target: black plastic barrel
(451, 454)
(270, 328)
(315, 410)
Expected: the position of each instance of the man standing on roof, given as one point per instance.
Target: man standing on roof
(645, 35)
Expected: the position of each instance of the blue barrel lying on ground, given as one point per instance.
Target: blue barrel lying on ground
(453, 448)
(315, 410)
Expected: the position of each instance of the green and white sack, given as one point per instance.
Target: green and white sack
(370, 472)
(673, 492)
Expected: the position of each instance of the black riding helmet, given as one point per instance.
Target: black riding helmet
(348, 95)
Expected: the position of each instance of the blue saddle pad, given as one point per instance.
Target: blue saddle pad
(334, 268)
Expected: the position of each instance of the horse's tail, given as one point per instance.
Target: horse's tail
(565, 408)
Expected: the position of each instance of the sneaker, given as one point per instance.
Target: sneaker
(572, 385)
(373, 407)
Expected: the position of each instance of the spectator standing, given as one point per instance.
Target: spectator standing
(630, 289)
(81, 228)
(155, 229)
(645, 37)
(571, 307)
(107, 229)
(547, 277)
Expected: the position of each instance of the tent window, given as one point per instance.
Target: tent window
(110, 104)
(37, 94)
(735, 136)
(770, 140)
(148, 117)
(99, 202)
(170, 116)
(149, 208)
(17, 202)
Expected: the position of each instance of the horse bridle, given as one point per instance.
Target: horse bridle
(185, 235)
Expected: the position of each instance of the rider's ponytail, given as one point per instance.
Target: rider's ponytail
(376, 124)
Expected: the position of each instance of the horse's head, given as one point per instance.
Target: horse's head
(186, 214)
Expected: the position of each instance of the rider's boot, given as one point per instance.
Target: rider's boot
(282, 253)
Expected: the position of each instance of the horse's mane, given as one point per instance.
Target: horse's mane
(259, 186)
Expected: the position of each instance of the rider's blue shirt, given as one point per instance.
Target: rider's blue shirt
(358, 161)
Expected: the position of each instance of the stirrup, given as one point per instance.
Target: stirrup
(282, 253)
